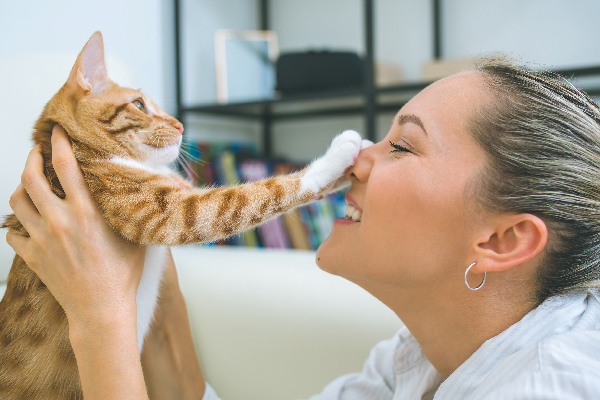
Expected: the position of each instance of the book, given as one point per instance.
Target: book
(296, 230)
(311, 227)
(273, 232)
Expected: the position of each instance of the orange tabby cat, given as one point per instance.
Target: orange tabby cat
(122, 140)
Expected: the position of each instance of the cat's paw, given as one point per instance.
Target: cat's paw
(344, 139)
(328, 170)
(342, 181)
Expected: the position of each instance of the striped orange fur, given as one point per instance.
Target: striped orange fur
(121, 138)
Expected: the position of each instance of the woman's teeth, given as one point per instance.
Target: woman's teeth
(352, 213)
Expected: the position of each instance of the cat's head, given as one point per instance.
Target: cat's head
(110, 119)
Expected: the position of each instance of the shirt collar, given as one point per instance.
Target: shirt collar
(557, 314)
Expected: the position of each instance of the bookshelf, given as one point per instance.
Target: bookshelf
(367, 101)
(357, 101)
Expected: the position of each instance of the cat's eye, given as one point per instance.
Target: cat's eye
(139, 105)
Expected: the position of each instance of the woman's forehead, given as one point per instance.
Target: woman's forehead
(447, 104)
(461, 91)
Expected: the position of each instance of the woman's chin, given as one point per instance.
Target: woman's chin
(322, 256)
(331, 254)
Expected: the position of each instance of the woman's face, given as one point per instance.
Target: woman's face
(416, 226)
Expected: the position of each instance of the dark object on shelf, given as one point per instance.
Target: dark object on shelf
(319, 70)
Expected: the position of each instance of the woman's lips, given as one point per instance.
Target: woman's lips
(350, 200)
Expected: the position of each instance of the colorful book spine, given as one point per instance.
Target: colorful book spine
(311, 227)
(296, 229)
(272, 232)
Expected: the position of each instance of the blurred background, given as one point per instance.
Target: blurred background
(256, 103)
(168, 49)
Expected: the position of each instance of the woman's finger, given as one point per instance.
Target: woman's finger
(66, 166)
(20, 244)
(34, 181)
(24, 209)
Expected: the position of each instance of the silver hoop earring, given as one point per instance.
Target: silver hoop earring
(467, 273)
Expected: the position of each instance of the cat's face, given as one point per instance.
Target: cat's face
(119, 121)
(130, 125)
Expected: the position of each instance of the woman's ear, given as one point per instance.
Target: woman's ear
(511, 241)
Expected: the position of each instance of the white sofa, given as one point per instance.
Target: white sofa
(272, 325)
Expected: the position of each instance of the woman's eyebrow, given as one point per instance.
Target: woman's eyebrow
(404, 118)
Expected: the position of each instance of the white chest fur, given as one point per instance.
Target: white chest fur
(147, 293)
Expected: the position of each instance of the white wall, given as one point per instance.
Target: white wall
(132, 32)
(559, 33)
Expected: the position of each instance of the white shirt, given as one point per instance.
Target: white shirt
(552, 353)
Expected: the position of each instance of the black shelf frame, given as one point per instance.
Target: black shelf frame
(267, 112)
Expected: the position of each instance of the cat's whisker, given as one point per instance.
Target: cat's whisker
(188, 169)
(184, 154)
(180, 159)
(189, 156)
(184, 161)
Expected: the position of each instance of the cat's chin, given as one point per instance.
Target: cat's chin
(161, 155)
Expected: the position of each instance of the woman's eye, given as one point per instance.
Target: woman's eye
(139, 105)
(398, 149)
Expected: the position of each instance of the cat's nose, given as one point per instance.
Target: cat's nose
(178, 126)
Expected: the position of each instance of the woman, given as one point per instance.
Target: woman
(479, 227)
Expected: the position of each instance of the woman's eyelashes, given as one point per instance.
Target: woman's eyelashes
(398, 149)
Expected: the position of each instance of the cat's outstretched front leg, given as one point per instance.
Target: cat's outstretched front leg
(152, 209)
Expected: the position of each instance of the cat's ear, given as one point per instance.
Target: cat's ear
(89, 71)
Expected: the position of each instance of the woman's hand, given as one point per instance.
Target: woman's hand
(92, 272)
